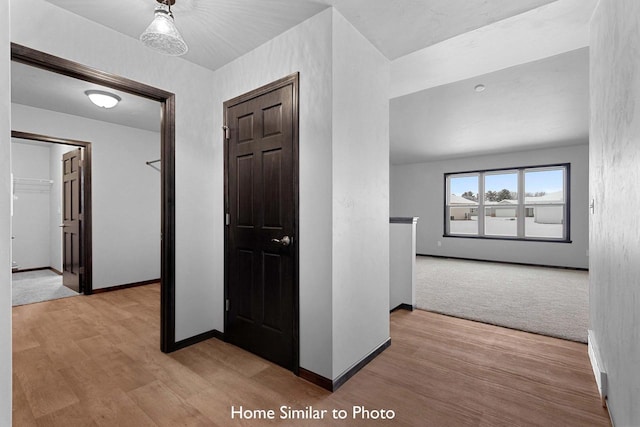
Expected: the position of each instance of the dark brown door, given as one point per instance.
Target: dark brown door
(71, 220)
(261, 203)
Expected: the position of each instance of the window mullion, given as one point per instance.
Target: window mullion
(481, 204)
(447, 206)
(521, 208)
(565, 198)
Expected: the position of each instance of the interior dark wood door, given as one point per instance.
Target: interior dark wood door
(71, 220)
(261, 203)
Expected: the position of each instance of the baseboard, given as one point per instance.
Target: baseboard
(403, 306)
(198, 338)
(58, 272)
(597, 366)
(25, 270)
(506, 262)
(316, 379)
(351, 372)
(125, 286)
(333, 385)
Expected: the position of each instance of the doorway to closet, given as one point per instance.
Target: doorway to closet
(51, 218)
(165, 207)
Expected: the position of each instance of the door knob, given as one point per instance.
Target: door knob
(62, 225)
(285, 241)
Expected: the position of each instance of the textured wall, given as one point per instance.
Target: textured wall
(305, 48)
(614, 179)
(5, 217)
(418, 190)
(343, 189)
(360, 196)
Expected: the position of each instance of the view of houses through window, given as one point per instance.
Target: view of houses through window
(517, 203)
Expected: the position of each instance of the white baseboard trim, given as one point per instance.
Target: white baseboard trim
(597, 366)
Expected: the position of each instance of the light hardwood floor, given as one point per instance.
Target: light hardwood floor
(95, 360)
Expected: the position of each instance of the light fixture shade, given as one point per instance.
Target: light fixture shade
(103, 99)
(162, 35)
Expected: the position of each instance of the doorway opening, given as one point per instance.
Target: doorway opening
(34, 58)
(52, 233)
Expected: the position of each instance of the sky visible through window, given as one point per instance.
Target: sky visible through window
(497, 182)
(547, 181)
(464, 183)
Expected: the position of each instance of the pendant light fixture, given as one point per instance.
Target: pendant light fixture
(162, 35)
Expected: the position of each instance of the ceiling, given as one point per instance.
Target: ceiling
(437, 47)
(539, 104)
(219, 31)
(51, 91)
(552, 29)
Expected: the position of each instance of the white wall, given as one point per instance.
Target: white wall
(30, 224)
(418, 190)
(55, 204)
(125, 192)
(360, 196)
(402, 264)
(5, 217)
(344, 145)
(199, 258)
(614, 290)
(305, 49)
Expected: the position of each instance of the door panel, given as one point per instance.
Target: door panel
(261, 206)
(244, 192)
(71, 220)
(272, 184)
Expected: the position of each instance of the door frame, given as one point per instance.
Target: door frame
(166, 99)
(86, 230)
(294, 81)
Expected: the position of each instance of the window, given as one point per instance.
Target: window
(527, 203)
(463, 204)
(501, 203)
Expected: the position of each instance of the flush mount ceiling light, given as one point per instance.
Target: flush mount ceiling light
(162, 35)
(103, 99)
(479, 88)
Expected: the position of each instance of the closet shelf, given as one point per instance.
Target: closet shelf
(32, 181)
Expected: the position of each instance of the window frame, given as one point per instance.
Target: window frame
(447, 206)
(521, 206)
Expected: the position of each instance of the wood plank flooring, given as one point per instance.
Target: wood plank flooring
(95, 361)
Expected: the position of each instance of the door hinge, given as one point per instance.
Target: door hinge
(226, 305)
(227, 133)
(227, 219)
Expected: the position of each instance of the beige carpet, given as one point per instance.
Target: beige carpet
(548, 301)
